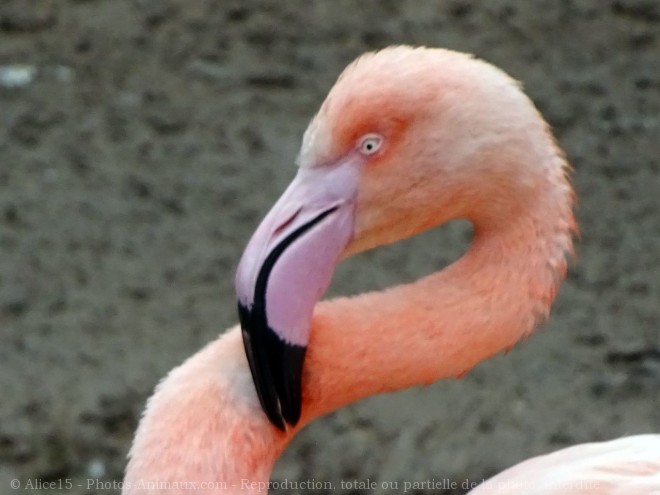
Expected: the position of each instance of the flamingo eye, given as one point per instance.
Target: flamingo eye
(370, 144)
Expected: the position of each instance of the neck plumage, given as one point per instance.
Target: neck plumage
(204, 423)
(444, 324)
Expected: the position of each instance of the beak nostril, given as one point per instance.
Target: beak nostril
(286, 223)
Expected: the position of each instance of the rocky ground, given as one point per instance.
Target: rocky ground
(140, 143)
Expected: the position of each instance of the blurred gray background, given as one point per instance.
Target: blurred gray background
(142, 141)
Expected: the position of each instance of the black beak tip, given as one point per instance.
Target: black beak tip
(276, 368)
(290, 366)
(265, 391)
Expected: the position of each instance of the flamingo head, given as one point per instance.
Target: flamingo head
(404, 141)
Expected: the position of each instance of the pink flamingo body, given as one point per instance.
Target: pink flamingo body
(626, 466)
(407, 139)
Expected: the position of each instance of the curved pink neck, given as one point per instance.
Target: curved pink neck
(441, 325)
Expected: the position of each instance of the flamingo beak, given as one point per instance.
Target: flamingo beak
(285, 269)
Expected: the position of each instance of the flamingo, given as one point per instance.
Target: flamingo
(407, 139)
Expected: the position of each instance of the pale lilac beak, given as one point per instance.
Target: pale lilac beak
(285, 269)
